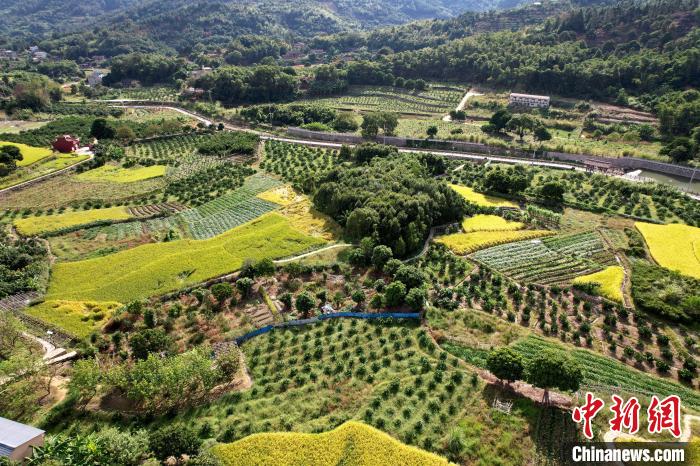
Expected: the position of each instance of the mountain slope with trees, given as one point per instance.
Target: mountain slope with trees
(179, 24)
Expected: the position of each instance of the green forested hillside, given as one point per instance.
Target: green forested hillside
(180, 24)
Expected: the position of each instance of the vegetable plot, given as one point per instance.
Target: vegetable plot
(230, 210)
(554, 260)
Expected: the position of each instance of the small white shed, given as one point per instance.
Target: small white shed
(17, 440)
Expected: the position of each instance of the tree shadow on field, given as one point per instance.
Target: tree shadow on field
(550, 428)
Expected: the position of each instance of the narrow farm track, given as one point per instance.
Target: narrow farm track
(311, 253)
(626, 268)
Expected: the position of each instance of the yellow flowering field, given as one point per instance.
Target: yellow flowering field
(30, 154)
(353, 443)
(158, 268)
(490, 223)
(116, 174)
(481, 199)
(79, 318)
(44, 224)
(673, 246)
(609, 281)
(466, 243)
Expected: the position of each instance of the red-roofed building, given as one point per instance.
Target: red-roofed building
(66, 144)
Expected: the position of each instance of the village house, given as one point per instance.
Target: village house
(196, 74)
(18, 440)
(66, 144)
(8, 55)
(193, 92)
(528, 100)
(39, 56)
(95, 78)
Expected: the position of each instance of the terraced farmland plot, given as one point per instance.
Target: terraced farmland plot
(430, 101)
(296, 163)
(115, 232)
(230, 210)
(156, 94)
(150, 210)
(610, 374)
(548, 261)
(129, 230)
(166, 150)
(158, 268)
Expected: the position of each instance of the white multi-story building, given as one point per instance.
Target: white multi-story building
(527, 100)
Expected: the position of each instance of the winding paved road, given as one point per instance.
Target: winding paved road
(335, 145)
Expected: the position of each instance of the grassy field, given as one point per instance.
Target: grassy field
(609, 282)
(116, 174)
(305, 218)
(283, 195)
(489, 223)
(676, 247)
(43, 167)
(15, 126)
(466, 243)
(157, 268)
(481, 199)
(352, 443)
(66, 191)
(30, 154)
(38, 225)
(79, 318)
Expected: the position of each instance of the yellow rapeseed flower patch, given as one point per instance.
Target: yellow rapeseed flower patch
(30, 154)
(351, 444)
(79, 318)
(490, 223)
(675, 246)
(282, 195)
(116, 174)
(157, 268)
(37, 225)
(609, 282)
(481, 199)
(466, 243)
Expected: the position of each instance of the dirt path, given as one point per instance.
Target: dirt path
(311, 253)
(528, 391)
(463, 103)
(622, 262)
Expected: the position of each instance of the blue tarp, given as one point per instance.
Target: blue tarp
(336, 315)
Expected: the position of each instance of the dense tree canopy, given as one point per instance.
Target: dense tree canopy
(148, 69)
(235, 85)
(393, 199)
